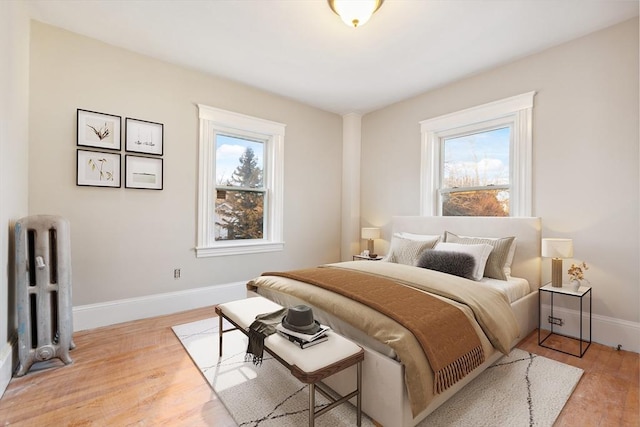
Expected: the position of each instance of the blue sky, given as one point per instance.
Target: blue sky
(228, 152)
(486, 154)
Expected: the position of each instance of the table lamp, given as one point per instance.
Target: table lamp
(557, 249)
(370, 233)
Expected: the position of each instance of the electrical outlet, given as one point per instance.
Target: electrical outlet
(176, 273)
(555, 320)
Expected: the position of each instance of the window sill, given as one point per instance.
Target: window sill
(225, 249)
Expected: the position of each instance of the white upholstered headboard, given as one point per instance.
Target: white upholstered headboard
(526, 261)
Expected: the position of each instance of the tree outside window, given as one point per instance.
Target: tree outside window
(239, 211)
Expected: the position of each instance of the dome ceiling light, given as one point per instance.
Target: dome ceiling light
(355, 13)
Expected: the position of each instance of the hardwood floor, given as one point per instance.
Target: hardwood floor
(607, 394)
(137, 373)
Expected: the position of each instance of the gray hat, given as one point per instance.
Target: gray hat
(300, 319)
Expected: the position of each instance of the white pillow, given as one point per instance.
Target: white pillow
(420, 237)
(406, 251)
(480, 253)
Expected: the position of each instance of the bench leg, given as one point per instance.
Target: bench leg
(359, 396)
(220, 331)
(357, 393)
(312, 404)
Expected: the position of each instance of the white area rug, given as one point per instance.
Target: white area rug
(521, 389)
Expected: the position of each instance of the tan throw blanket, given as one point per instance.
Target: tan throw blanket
(445, 334)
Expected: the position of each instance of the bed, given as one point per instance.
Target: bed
(390, 384)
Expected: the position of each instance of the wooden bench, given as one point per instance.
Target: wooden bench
(310, 365)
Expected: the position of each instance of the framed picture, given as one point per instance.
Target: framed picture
(143, 172)
(98, 130)
(96, 169)
(144, 137)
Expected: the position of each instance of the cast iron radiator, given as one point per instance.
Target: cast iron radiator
(43, 278)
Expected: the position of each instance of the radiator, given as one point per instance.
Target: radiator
(43, 279)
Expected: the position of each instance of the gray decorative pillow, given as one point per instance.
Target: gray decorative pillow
(457, 263)
(499, 256)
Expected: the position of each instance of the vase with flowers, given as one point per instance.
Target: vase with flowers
(576, 275)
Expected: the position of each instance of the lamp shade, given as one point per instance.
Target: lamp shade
(370, 233)
(557, 248)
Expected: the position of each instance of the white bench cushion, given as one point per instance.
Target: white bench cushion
(311, 359)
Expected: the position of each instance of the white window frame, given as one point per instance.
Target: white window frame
(214, 121)
(515, 112)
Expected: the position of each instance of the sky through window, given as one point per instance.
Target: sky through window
(229, 149)
(478, 159)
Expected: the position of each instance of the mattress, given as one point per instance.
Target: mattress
(514, 288)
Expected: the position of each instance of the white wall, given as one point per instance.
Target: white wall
(585, 155)
(126, 242)
(14, 90)
(351, 143)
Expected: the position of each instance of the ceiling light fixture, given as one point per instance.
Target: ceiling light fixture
(355, 13)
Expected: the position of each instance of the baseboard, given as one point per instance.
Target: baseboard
(109, 313)
(608, 331)
(8, 358)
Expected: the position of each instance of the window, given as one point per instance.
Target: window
(477, 162)
(240, 184)
(240, 190)
(475, 173)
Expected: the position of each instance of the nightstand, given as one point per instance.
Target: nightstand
(366, 258)
(565, 292)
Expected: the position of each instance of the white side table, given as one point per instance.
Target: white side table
(562, 292)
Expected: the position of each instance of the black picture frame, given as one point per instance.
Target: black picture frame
(98, 169)
(98, 130)
(144, 137)
(144, 172)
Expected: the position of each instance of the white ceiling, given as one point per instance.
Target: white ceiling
(300, 49)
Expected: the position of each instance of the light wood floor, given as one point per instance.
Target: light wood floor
(137, 373)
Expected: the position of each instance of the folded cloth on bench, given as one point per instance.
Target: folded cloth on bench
(262, 327)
